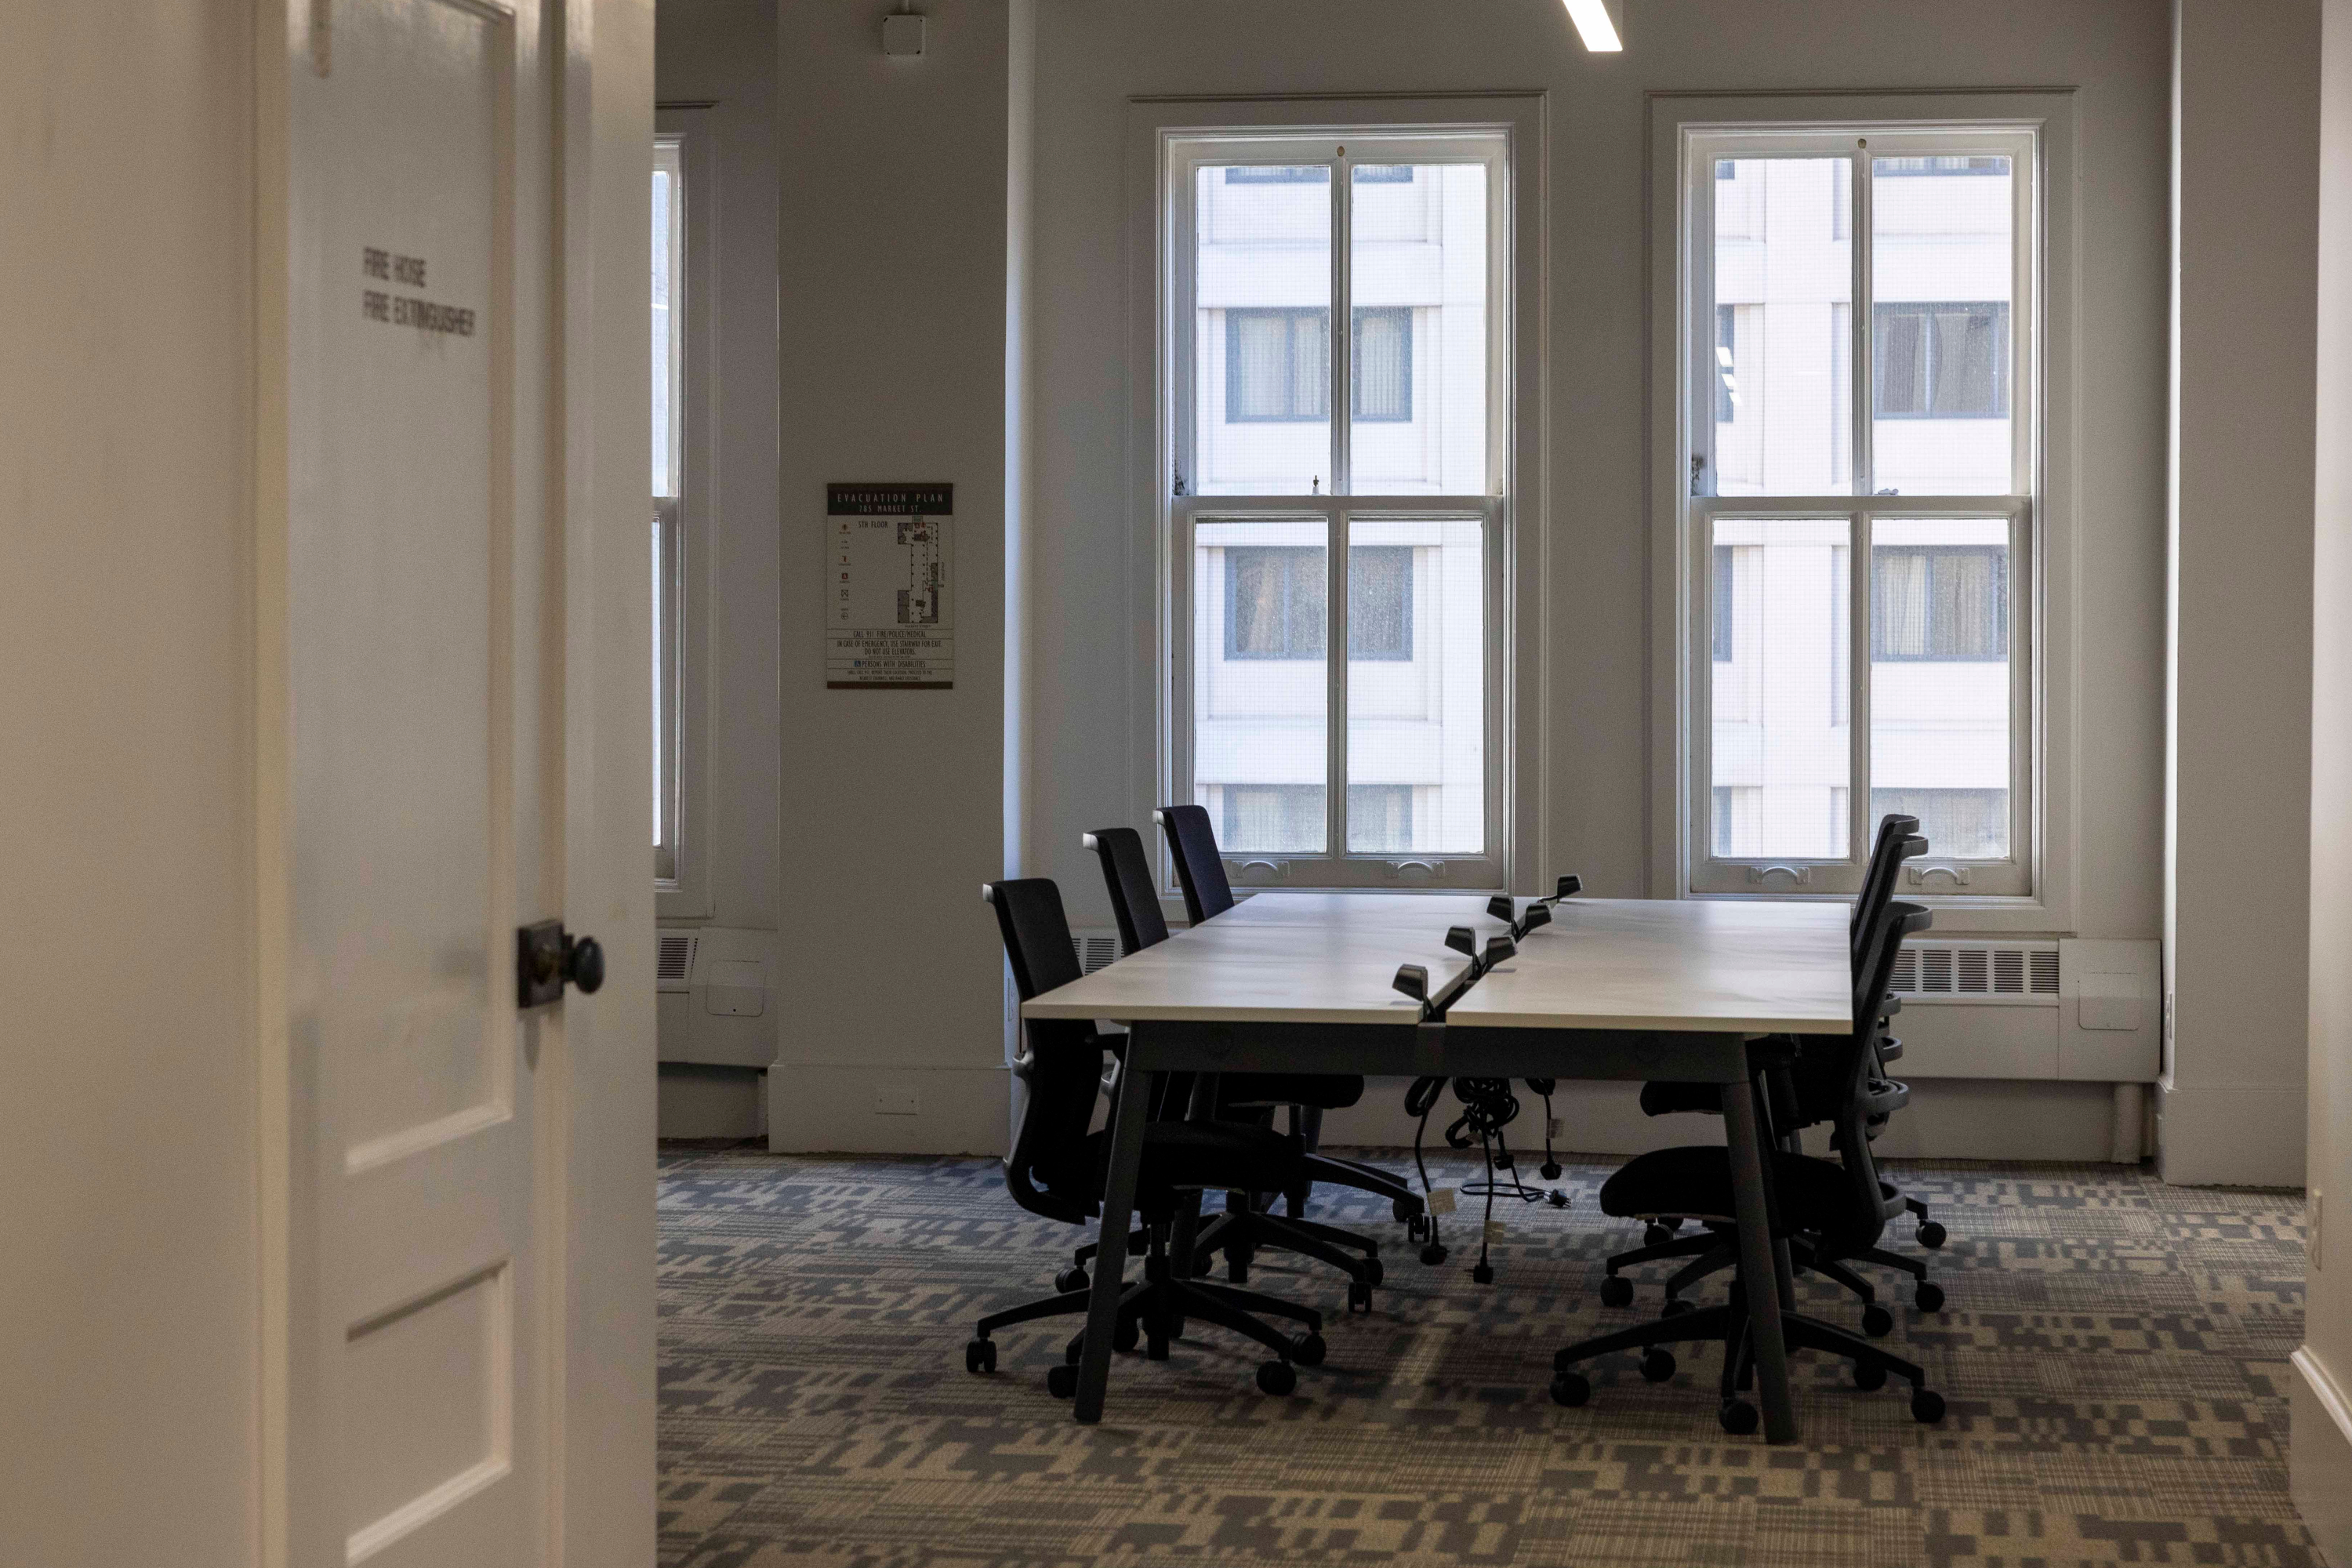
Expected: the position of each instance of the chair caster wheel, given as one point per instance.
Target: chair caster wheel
(1062, 1382)
(1373, 1272)
(1877, 1321)
(1571, 1389)
(1309, 1350)
(1555, 1197)
(1932, 1235)
(1123, 1336)
(1676, 1308)
(1483, 1273)
(1927, 1405)
(1074, 1278)
(1616, 1291)
(1739, 1416)
(980, 1356)
(1930, 1296)
(1655, 1235)
(1550, 1169)
(1276, 1378)
(1407, 1210)
(1359, 1299)
(1237, 1270)
(1433, 1254)
(1657, 1364)
(1869, 1376)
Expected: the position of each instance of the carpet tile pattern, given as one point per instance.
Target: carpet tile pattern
(2113, 1349)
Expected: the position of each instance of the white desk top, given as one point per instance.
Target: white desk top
(1604, 964)
(1678, 964)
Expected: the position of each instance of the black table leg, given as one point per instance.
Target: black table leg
(1759, 1279)
(1131, 1113)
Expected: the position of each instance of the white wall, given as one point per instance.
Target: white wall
(2231, 1109)
(1090, 680)
(893, 349)
(129, 1301)
(2322, 1394)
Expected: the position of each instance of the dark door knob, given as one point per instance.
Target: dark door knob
(583, 961)
(546, 955)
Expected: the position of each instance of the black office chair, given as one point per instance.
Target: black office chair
(1839, 1203)
(1802, 1098)
(1058, 1169)
(1241, 1230)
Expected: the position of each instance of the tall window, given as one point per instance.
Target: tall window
(1824, 696)
(668, 571)
(1297, 531)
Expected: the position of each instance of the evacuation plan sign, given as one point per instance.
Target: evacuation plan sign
(889, 605)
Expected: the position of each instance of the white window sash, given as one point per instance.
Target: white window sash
(1183, 155)
(1704, 872)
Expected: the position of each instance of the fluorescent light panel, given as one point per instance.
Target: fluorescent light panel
(1593, 26)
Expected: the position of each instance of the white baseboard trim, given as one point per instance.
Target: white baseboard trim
(2229, 1137)
(1948, 1119)
(887, 1111)
(2319, 1456)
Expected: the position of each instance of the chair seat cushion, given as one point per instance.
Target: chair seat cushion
(1321, 1091)
(1695, 1182)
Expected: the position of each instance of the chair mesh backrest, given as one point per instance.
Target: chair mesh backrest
(1065, 1068)
(1849, 1059)
(1886, 854)
(1199, 866)
(1126, 874)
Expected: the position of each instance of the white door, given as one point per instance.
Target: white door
(424, 666)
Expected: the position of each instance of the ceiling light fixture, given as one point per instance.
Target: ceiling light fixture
(1594, 26)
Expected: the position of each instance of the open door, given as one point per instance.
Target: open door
(454, 687)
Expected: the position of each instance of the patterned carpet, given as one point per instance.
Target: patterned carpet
(2114, 1352)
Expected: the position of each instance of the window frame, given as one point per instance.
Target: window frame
(2017, 890)
(684, 521)
(1169, 139)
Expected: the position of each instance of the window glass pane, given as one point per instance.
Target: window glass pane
(1942, 356)
(666, 356)
(1418, 264)
(1260, 683)
(1261, 328)
(1782, 750)
(1416, 687)
(1784, 284)
(1940, 703)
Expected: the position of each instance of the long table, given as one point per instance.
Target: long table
(1613, 988)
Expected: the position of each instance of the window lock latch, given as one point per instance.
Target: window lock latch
(1798, 876)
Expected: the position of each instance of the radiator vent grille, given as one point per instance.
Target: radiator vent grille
(1095, 949)
(676, 959)
(1958, 970)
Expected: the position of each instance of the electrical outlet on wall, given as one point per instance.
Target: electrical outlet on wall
(1552, 1127)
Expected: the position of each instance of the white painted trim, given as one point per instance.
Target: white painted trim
(2332, 1397)
(2319, 1455)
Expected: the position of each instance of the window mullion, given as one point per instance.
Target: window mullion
(1342, 332)
(1343, 348)
(1335, 644)
(1862, 378)
(1860, 578)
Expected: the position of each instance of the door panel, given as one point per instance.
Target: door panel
(410, 131)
